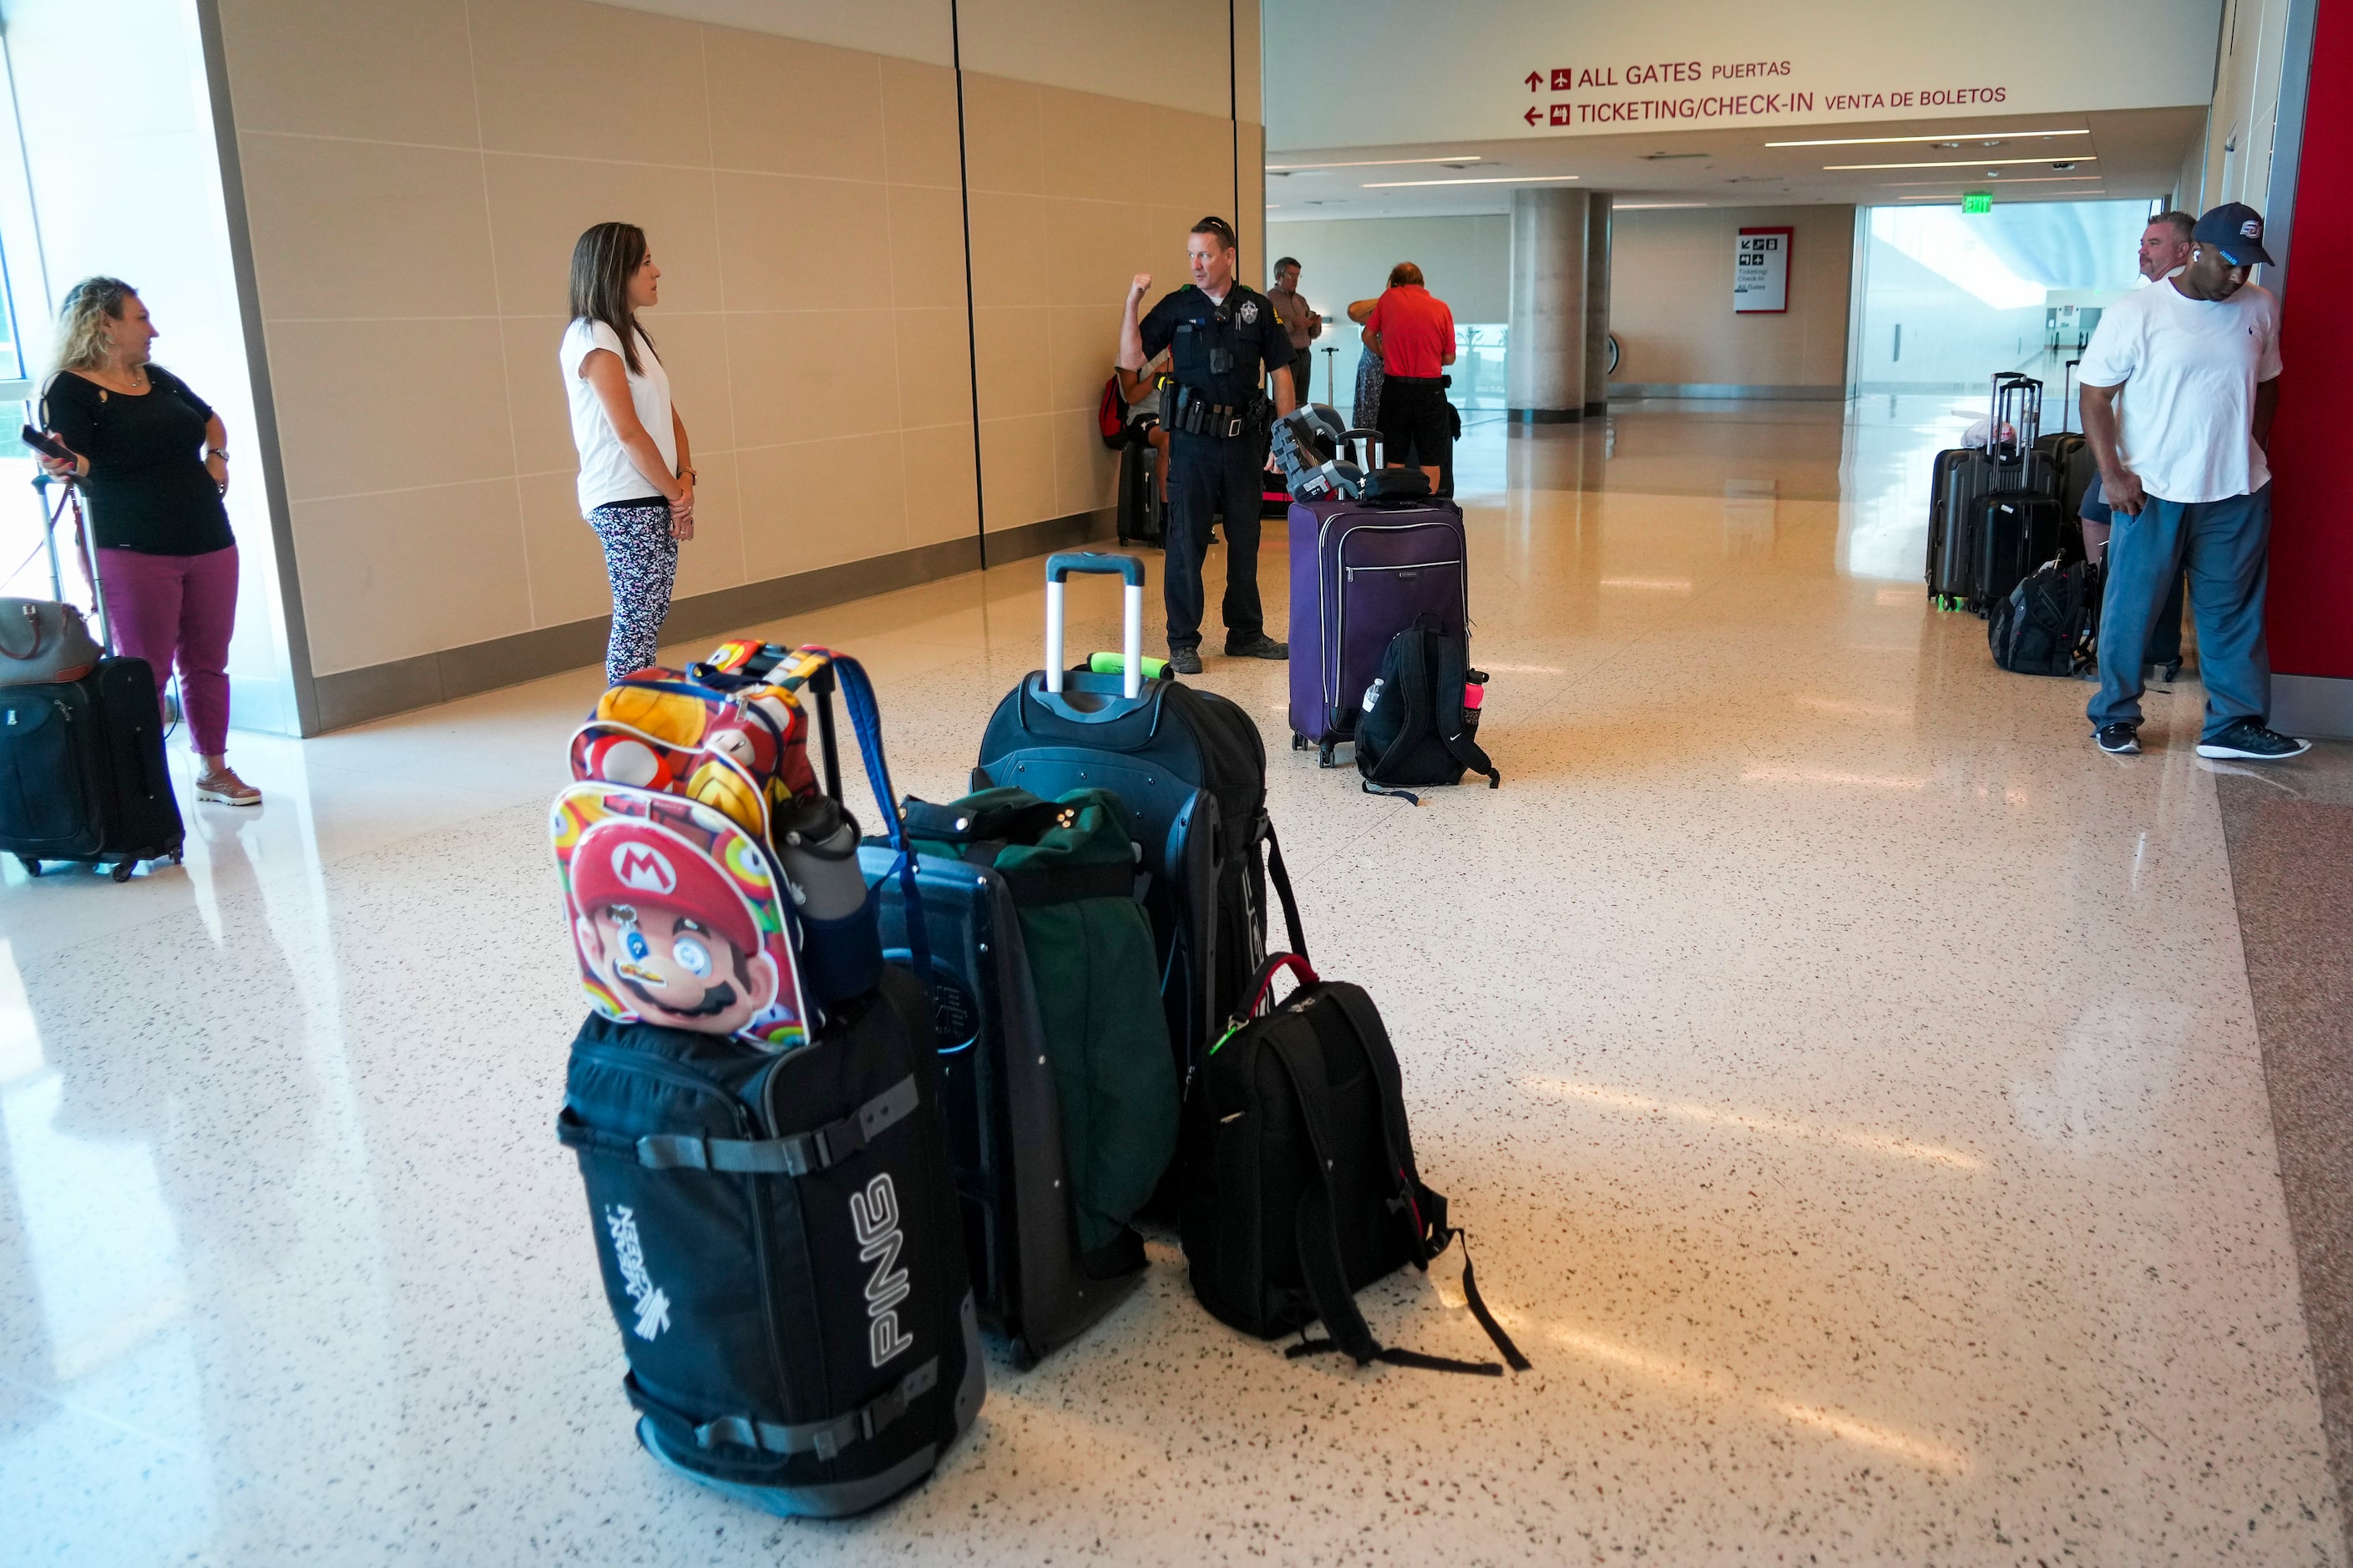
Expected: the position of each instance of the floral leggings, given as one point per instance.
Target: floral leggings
(642, 559)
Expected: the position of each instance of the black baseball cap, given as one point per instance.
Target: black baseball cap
(2236, 230)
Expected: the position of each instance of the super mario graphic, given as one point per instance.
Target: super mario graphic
(675, 916)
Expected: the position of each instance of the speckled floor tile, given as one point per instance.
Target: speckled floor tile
(1848, 1079)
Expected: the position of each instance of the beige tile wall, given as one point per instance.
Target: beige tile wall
(1073, 194)
(1671, 299)
(416, 172)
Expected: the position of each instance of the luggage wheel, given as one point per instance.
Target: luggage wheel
(178, 856)
(1324, 756)
(32, 864)
(1298, 741)
(122, 870)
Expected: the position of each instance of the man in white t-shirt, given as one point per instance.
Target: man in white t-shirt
(2180, 381)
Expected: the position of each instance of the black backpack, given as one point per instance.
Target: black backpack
(1412, 731)
(1298, 1186)
(2049, 623)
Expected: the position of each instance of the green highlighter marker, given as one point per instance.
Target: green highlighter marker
(1116, 664)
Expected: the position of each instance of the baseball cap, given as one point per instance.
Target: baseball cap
(2236, 230)
(621, 861)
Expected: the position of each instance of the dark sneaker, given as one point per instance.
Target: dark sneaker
(2250, 740)
(2118, 739)
(1185, 660)
(1258, 646)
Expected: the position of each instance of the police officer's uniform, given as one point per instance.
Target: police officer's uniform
(1219, 422)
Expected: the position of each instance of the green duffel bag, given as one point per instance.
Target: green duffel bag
(1071, 865)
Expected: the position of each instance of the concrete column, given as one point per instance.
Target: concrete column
(1545, 361)
(1596, 304)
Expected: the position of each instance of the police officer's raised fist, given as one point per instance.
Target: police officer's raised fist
(1141, 282)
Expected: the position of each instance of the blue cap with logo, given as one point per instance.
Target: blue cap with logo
(2236, 230)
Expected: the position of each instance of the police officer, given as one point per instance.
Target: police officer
(1221, 335)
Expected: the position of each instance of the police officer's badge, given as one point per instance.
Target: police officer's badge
(1248, 312)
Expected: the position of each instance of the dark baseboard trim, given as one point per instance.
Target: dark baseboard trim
(1596, 410)
(1773, 391)
(376, 692)
(1545, 416)
(2318, 707)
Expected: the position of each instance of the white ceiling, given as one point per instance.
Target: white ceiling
(2115, 154)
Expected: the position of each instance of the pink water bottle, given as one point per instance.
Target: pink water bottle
(1474, 697)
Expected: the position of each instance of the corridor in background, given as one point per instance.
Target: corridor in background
(1947, 296)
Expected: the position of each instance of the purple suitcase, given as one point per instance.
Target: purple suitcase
(1360, 576)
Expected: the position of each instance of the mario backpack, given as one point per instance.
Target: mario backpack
(767, 1173)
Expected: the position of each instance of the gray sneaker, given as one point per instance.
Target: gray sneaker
(1258, 646)
(2251, 742)
(1185, 660)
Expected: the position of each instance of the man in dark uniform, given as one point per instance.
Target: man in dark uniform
(1221, 335)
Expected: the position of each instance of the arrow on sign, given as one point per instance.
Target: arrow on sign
(1533, 115)
(1536, 80)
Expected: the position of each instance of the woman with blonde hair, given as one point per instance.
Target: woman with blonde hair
(152, 459)
(636, 475)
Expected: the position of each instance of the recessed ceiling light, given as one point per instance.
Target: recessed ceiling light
(1942, 136)
(1372, 162)
(1947, 163)
(1489, 180)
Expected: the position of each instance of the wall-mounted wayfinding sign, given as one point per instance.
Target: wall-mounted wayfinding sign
(1760, 272)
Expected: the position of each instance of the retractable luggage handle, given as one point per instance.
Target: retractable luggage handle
(1059, 567)
(88, 555)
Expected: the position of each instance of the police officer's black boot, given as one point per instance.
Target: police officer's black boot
(1257, 646)
(1185, 660)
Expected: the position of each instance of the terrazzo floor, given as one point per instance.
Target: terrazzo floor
(1849, 1076)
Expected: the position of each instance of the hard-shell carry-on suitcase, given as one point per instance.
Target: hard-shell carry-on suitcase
(2015, 531)
(1964, 474)
(1297, 1180)
(1191, 768)
(1371, 571)
(776, 1227)
(82, 772)
(1004, 1118)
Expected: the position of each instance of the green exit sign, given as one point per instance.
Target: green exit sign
(1977, 202)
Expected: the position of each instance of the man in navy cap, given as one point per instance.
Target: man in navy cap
(2180, 381)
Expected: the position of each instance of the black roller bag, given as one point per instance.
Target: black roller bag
(1003, 1069)
(1297, 1177)
(780, 1243)
(779, 1238)
(2015, 531)
(1191, 767)
(83, 774)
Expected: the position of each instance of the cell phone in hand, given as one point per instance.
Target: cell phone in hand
(46, 444)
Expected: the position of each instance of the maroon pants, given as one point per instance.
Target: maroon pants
(178, 610)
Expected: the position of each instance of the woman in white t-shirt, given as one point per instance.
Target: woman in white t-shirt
(637, 476)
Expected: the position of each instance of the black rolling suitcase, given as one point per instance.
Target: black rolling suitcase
(1140, 518)
(776, 1225)
(1191, 767)
(1964, 476)
(1003, 1114)
(83, 774)
(2015, 531)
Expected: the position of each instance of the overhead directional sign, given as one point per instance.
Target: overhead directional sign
(1600, 67)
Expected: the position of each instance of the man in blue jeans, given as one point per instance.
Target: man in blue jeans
(2194, 361)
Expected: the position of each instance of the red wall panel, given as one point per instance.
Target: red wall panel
(2311, 601)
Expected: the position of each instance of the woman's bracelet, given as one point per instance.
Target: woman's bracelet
(220, 452)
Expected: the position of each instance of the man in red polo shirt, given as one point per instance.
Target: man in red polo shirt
(1414, 335)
